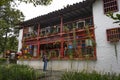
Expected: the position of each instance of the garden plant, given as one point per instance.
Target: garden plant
(17, 72)
(84, 75)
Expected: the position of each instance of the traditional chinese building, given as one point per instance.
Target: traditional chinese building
(80, 31)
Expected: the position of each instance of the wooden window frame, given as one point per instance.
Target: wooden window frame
(83, 22)
(113, 34)
(110, 6)
(25, 30)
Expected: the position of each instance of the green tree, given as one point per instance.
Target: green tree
(9, 17)
(37, 2)
(34, 2)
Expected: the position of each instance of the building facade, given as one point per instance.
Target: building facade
(80, 32)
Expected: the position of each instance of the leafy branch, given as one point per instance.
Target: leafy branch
(115, 17)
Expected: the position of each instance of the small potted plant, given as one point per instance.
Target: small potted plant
(66, 29)
(53, 53)
(41, 35)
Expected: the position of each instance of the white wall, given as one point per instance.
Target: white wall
(20, 39)
(106, 59)
(61, 65)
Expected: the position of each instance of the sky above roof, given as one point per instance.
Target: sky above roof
(30, 11)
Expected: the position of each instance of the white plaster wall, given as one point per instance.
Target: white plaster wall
(101, 65)
(60, 65)
(20, 39)
(64, 65)
(106, 59)
(37, 64)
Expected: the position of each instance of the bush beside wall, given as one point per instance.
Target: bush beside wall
(17, 72)
(90, 76)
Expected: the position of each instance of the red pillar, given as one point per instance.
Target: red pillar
(61, 25)
(62, 40)
(38, 41)
(62, 48)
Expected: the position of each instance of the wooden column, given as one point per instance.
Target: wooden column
(95, 44)
(38, 41)
(61, 25)
(62, 39)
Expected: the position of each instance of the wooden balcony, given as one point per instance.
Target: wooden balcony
(47, 42)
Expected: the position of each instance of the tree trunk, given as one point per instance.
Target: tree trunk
(5, 44)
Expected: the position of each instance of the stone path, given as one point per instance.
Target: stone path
(51, 75)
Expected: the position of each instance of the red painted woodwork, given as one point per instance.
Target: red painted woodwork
(50, 40)
(110, 6)
(25, 30)
(33, 42)
(38, 48)
(61, 25)
(62, 48)
(113, 34)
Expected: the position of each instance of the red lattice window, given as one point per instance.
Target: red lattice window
(113, 34)
(110, 6)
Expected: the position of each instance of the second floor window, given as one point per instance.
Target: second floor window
(113, 34)
(110, 6)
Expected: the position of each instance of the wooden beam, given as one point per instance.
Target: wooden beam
(38, 42)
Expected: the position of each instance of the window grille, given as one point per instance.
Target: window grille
(110, 6)
(113, 34)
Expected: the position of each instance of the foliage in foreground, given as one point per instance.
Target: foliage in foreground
(2, 60)
(89, 76)
(17, 72)
(34, 2)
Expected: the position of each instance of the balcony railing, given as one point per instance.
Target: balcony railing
(30, 35)
(55, 30)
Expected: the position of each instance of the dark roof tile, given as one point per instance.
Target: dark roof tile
(80, 8)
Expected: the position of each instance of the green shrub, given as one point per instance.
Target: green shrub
(17, 72)
(89, 76)
(2, 60)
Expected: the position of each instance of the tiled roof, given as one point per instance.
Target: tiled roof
(81, 9)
